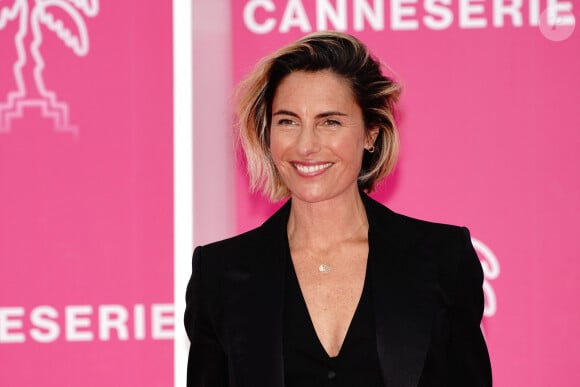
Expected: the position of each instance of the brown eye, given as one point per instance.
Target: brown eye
(331, 123)
(285, 122)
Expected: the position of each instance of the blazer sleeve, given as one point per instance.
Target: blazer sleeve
(207, 363)
(468, 354)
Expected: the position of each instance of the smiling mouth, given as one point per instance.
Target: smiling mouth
(311, 169)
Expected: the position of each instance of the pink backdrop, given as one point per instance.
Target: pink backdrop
(489, 137)
(86, 203)
(489, 140)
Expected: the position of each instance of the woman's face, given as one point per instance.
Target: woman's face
(317, 136)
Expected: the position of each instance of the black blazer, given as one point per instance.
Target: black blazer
(427, 292)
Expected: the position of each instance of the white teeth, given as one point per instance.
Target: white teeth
(312, 168)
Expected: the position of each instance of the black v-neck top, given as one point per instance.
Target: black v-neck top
(306, 363)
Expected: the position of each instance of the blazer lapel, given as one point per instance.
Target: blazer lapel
(254, 291)
(405, 289)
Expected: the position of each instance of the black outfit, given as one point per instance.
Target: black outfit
(426, 299)
(306, 363)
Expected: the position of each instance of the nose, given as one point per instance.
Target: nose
(308, 142)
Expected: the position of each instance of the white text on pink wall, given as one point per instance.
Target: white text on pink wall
(267, 16)
(81, 323)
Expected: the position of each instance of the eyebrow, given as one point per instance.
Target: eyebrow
(320, 115)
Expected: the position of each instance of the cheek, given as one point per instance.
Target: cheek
(274, 149)
(351, 148)
(279, 144)
(276, 153)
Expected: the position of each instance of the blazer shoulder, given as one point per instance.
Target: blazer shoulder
(408, 230)
(446, 246)
(443, 232)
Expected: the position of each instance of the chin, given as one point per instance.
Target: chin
(310, 197)
(317, 194)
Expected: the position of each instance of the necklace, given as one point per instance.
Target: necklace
(325, 268)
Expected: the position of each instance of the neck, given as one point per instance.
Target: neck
(322, 225)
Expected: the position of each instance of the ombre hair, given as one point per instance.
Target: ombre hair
(343, 55)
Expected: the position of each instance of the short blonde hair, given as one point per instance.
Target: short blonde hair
(345, 56)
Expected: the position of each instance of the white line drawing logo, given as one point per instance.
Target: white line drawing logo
(57, 16)
(491, 270)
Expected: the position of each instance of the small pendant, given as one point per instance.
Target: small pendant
(324, 268)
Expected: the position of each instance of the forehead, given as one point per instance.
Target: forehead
(318, 87)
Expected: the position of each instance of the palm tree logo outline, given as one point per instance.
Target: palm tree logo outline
(30, 88)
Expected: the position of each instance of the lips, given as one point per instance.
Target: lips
(311, 169)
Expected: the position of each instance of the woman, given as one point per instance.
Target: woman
(334, 288)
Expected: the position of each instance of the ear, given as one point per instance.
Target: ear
(371, 136)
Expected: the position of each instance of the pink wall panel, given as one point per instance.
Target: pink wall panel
(86, 239)
(489, 130)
